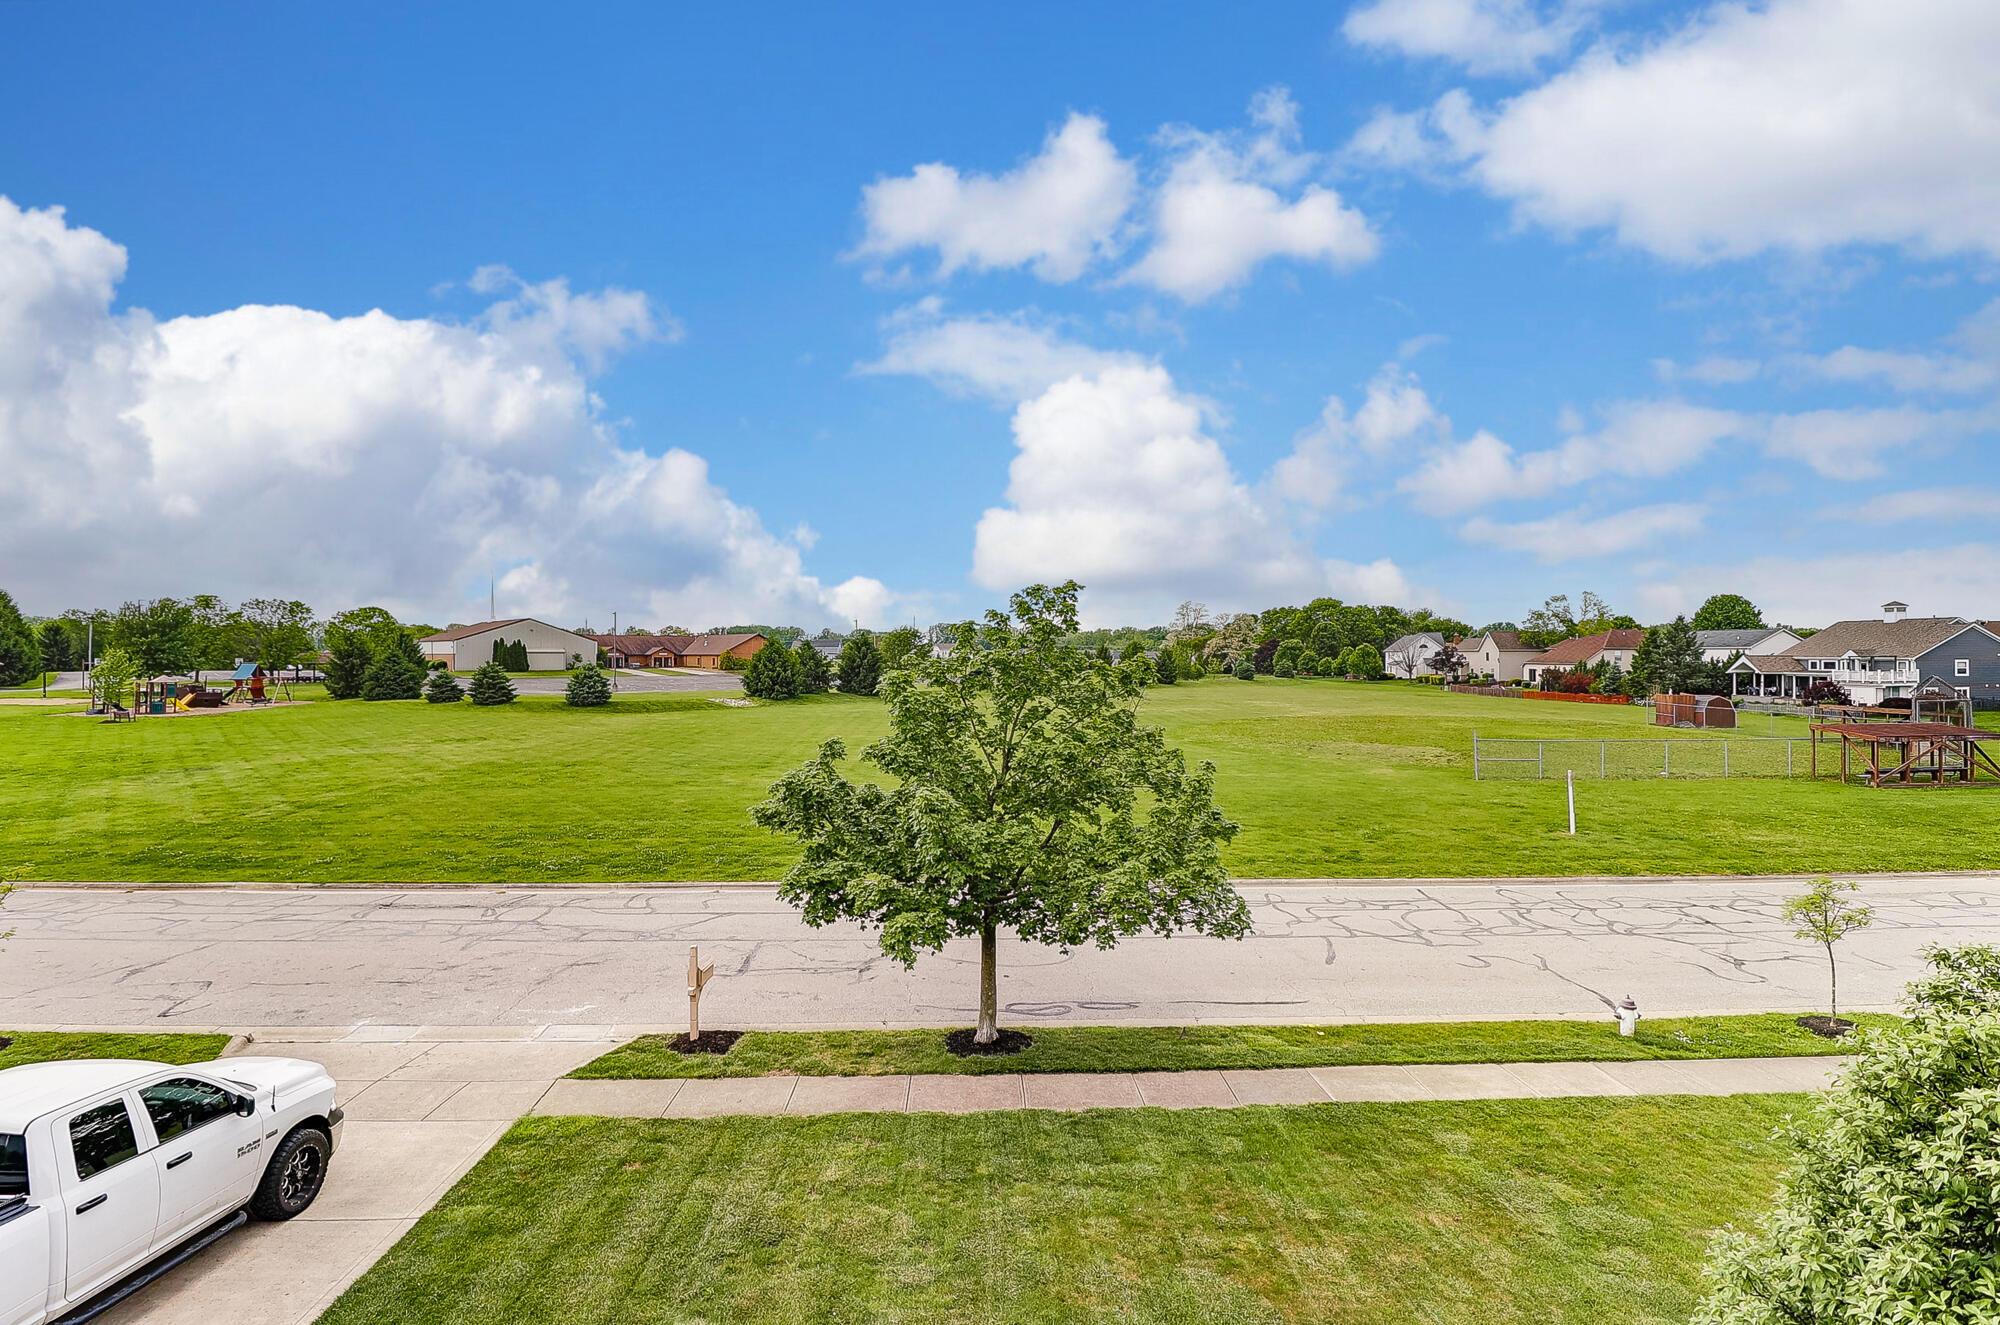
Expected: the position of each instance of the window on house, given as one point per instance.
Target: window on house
(1961, 667)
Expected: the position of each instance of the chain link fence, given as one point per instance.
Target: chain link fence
(1527, 758)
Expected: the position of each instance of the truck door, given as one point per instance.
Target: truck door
(208, 1151)
(113, 1205)
(24, 1237)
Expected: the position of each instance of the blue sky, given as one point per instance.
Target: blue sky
(813, 314)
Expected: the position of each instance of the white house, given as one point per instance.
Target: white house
(550, 648)
(1496, 653)
(1411, 655)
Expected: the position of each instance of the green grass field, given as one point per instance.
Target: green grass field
(51, 1046)
(1181, 1048)
(1525, 1212)
(1326, 778)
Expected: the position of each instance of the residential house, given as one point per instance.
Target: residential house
(550, 648)
(1411, 655)
(1610, 646)
(1496, 653)
(1877, 659)
(1721, 646)
(705, 652)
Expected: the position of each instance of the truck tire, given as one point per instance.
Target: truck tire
(294, 1176)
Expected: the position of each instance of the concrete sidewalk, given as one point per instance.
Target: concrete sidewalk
(717, 1097)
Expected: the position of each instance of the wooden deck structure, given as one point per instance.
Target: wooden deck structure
(1908, 754)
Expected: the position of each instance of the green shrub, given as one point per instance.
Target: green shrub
(1246, 670)
(588, 688)
(443, 688)
(815, 673)
(860, 665)
(491, 686)
(1166, 670)
(1890, 1209)
(392, 676)
(773, 674)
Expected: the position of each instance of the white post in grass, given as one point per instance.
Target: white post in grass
(1572, 801)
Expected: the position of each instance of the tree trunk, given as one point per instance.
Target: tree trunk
(989, 986)
(1832, 986)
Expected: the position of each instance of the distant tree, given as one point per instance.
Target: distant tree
(860, 665)
(1888, 1208)
(1022, 794)
(490, 685)
(1823, 915)
(897, 645)
(347, 660)
(374, 624)
(1669, 658)
(815, 675)
(443, 688)
(20, 650)
(1265, 659)
(1165, 670)
(1246, 670)
(1449, 663)
(1134, 650)
(59, 652)
(112, 679)
(1824, 691)
(277, 632)
(1364, 662)
(1285, 659)
(1189, 617)
(773, 674)
(1326, 667)
(590, 688)
(160, 635)
(217, 634)
(1104, 653)
(395, 670)
(1728, 611)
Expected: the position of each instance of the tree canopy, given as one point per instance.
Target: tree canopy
(1023, 793)
(1728, 611)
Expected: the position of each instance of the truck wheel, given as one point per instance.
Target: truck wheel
(294, 1176)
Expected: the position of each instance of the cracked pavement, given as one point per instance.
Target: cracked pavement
(232, 957)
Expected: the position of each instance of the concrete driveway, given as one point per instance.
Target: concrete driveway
(421, 1110)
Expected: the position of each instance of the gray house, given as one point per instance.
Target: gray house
(1885, 658)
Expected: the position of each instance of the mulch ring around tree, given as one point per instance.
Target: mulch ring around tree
(1831, 1028)
(1009, 1042)
(708, 1042)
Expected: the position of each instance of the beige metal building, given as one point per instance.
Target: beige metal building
(550, 648)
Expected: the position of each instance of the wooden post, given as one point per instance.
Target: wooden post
(698, 976)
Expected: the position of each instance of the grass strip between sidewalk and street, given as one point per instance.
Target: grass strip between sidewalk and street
(1555, 1212)
(54, 1046)
(1183, 1048)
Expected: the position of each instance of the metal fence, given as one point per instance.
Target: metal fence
(1514, 757)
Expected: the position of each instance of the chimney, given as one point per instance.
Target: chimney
(1893, 612)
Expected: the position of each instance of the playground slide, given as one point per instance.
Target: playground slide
(185, 703)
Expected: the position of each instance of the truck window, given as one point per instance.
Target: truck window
(183, 1104)
(102, 1138)
(13, 1165)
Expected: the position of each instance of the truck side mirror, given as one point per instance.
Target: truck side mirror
(246, 1106)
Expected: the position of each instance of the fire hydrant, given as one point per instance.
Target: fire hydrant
(1628, 1015)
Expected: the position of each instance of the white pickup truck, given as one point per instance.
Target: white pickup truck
(107, 1166)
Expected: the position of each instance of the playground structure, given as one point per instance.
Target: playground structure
(1908, 753)
(165, 696)
(1716, 712)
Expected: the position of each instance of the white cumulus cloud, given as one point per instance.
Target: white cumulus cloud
(1486, 36)
(274, 449)
(1003, 358)
(1577, 536)
(1231, 202)
(1054, 213)
(1796, 125)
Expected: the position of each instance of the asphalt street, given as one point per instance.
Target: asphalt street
(345, 957)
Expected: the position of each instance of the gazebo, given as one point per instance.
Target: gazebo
(1907, 754)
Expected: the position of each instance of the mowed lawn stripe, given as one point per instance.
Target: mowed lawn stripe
(1502, 1212)
(1190, 1048)
(1327, 779)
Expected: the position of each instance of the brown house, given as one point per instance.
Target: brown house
(700, 651)
(1619, 646)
